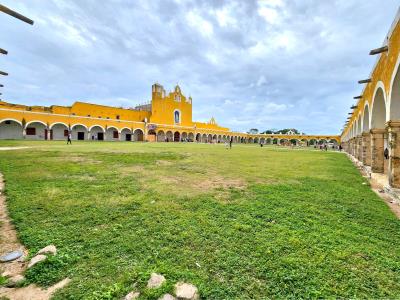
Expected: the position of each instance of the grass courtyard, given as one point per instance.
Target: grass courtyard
(246, 223)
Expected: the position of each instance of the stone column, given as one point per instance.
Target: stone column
(48, 134)
(377, 158)
(355, 147)
(394, 153)
(366, 148)
(360, 148)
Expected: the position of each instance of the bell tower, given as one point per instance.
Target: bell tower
(157, 91)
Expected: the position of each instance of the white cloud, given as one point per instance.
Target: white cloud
(203, 26)
(243, 62)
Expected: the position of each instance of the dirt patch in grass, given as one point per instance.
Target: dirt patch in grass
(129, 170)
(8, 238)
(79, 159)
(163, 163)
(220, 182)
(9, 242)
(32, 292)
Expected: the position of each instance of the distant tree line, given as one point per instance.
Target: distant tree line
(275, 131)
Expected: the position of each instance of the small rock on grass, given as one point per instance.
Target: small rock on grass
(50, 249)
(132, 295)
(11, 256)
(36, 259)
(13, 281)
(186, 291)
(167, 297)
(155, 281)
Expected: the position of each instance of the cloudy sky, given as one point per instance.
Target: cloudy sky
(250, 64)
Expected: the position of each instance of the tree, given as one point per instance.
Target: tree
(253, 131)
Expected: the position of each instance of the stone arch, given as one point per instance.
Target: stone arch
(184, 136)
(312, 142)
(250, 140)
(160, 136)
(112, 133)
(96, 132)
(138, 135)
(11, 129)
(322, 142)
(365, 118)
(394, 98)
(191, 137)
(378, 111)
(59, 131)
(262, 140)
(214, 138)
(198, 137)
(209, 138)
(79, 132)
(58, 123)
(36, 130)
(359, 125)
(256, 140)
(177, 136)
(126, 134)
(35, 121)
(169, 136)
(283, 141)
(204, 138)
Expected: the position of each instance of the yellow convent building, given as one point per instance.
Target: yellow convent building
(167, 118)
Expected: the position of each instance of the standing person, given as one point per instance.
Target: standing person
(69, 138)
(230, 143)
(386, 153)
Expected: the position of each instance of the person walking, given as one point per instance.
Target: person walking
(230, 143)
(69, 138)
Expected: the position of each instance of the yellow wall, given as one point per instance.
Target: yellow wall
(382, 72)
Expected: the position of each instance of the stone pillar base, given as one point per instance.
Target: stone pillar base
(366, 148)
(377, 142)
(394, 153)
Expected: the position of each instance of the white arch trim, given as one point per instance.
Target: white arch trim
(378, 86)
(113, 127)
(90, 129)
(137, 129)
(366, 106)
(78, 124)
(29, 123)
(396, 68)
(8, 119)
(56, 123)
(123, 128)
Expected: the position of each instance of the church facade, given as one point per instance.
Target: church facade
(168, 118)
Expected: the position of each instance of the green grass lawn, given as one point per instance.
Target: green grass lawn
(246, 223)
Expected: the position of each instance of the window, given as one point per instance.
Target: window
(117, 117)
(31, 131)
(66, 132)
(88, 115)
(177, 117)
(178, 98)
(115, 134)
